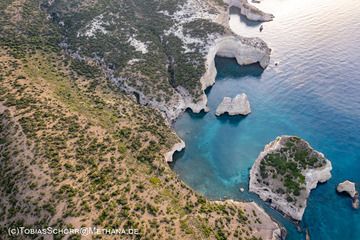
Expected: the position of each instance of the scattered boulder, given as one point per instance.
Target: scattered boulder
(237, 106)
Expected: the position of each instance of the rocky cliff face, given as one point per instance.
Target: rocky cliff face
(239, 105)
(167, 65)
(249, 11)
(286, 171)
(244, 50)
(177, 147)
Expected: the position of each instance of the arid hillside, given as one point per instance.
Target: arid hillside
(76, 150)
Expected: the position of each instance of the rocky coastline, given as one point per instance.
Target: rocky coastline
(244, 50)
(288, 191)
(177, 147)
(250, 11)
(265, 227)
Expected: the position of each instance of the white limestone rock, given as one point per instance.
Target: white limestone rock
(237, 106)
(349, 188)
(249, 11)
(227, 44)
(244, 50)
(177, 147)
(269, 182)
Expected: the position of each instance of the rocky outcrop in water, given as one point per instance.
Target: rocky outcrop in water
(249, 11)
(244, 50)
(286, 171)
(239, 105)
(349, 188)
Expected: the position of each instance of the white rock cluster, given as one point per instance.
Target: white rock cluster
(239, 105)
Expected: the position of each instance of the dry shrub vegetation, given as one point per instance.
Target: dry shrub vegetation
(75, 151)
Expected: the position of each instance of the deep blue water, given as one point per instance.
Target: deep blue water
(312, 93)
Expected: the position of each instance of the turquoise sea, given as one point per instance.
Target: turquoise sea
(314, 93)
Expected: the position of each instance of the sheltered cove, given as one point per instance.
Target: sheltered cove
(245, 51)
(248, 51)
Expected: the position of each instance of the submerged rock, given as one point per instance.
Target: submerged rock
(307, 237)
(237, 106)
(286, 171)
(349, 188)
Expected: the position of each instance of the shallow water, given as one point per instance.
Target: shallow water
(312, 93)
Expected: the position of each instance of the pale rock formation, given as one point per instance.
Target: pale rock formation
(244, 50)
(249, 11)
(177, 147)
(349, 188)
(267, 192)
(237, 106)
(95, 26)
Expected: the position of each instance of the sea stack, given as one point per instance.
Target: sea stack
(286, 171)
(237, 106)
(349, 188)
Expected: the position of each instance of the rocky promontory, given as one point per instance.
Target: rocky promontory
(286, 171)
(239, 105)
(349, 188)
(250, 11)
(177, 147)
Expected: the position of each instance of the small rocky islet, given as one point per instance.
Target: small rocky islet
(349, 188)
(286, 171)
(238, 105)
